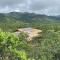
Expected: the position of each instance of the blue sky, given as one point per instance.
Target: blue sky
(48, 7)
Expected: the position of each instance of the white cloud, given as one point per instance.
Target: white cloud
(48, 7)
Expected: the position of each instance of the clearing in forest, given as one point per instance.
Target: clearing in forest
(30, 31)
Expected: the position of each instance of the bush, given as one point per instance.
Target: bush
(8, 47)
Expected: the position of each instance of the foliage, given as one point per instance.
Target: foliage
(8, 47)
(44, 47)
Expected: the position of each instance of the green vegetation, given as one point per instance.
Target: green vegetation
(12, 47)
(44, 47)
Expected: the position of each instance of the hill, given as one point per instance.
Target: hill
(13, 20)
(46, 46)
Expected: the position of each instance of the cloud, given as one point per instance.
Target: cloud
(10, 2)
(48, 7)
(42, 4)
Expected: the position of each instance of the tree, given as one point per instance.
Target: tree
(8, 47)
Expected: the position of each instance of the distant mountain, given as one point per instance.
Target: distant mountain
(27, 16)
(14, 20)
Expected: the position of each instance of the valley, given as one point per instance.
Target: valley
(29, 36)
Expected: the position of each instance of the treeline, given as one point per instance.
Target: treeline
(14, 20)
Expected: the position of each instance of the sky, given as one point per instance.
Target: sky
(47, 7)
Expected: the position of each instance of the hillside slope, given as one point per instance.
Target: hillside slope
(13, 20)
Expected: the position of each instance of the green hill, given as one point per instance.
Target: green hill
(14, 20)
(44, 47)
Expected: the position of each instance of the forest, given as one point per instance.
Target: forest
(44, 47)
